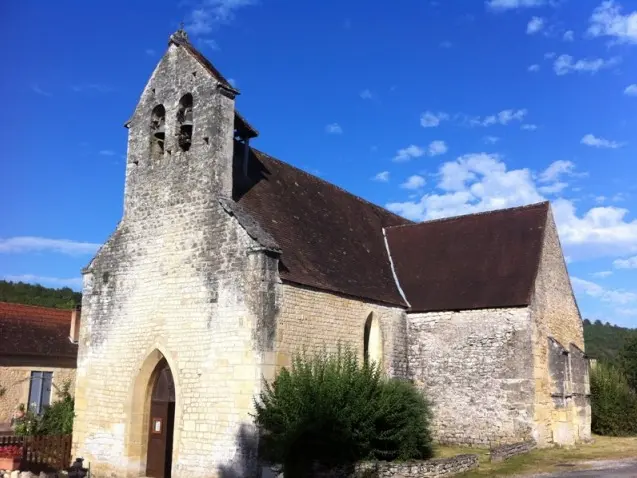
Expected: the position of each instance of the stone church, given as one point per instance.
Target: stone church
(227, 261)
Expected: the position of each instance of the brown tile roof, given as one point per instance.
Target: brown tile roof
(330, 239)
(470, 262)
(28, 330)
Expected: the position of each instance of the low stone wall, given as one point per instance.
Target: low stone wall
(383, 469)
(417, 469)
(505, 452)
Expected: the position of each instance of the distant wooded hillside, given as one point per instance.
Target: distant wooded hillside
(603, 341)
(22, 293)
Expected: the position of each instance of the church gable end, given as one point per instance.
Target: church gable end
(562, 406)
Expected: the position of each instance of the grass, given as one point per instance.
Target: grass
(547, 459)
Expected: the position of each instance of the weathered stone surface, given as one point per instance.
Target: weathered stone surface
(562, 397)
(315, 321)
(504, 452)
(476, 367)
(179, 278)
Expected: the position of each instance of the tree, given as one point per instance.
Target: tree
(331, 411)
(628, 361)
(30, 294)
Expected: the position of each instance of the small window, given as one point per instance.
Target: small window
(158, 132)
(372, 341)
(40, 391)
(185, 123)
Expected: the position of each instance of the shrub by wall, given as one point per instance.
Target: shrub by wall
(613, 402)
(334, 411)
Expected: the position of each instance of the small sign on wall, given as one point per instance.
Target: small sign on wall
(157, 425)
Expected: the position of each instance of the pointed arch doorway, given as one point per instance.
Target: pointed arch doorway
(162, 421)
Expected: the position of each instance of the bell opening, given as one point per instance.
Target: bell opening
(185, 136)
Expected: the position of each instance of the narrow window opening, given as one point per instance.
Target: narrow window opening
(372, 342)
(158, 131)
(184, 120)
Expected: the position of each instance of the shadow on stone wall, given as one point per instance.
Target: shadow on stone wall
(245, 464)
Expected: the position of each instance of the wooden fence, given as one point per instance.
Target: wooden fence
(42, 453)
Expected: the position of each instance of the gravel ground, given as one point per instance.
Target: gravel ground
(599, 469)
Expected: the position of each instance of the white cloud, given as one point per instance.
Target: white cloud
(334, 128)
(25, 244)
(591, 140)
(556, 170)
(410, 152)
(607, 20)
(437, 148)
(569, 35)
(565, 64)
(212, 44)
(366, 94)
(150, 52)
(413, 182)
(107, 152)
(535, 67)
(513, 4)
(382, 177)
(630, 263)
(529, 127)
(549, 55)
(504, 117)
(614, 296)
(631, 90)
(554, 188)
(491, 139)
(75, 282)
(233, 82)
(429, 119)
(39, 91)
(212, 13)
(482, 182)
(472, 183)
(446, 44)
(601, 231)
(602, 274)
(535, 25)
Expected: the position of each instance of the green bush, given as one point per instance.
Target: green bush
(334, 411)
(628, 361)
(57, 418)
(613, 402)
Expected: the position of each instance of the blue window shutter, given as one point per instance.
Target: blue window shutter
(35, 392)
(47, 378)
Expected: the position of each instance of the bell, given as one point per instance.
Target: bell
(187, 116)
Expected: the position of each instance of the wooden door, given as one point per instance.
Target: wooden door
(160, 432)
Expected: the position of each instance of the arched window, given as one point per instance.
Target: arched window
(372, 341)
(184, 122)
(157, 132)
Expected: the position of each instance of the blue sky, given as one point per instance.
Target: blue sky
(430, 108)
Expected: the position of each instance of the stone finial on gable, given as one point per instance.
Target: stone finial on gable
(180, 36)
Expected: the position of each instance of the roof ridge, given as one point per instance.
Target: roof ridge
(474, 214)
(33, 307)
(355, 196)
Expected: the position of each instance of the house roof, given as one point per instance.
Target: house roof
(330, 239)
(475, 261)
(35, 331)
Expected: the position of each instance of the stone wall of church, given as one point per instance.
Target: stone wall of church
(476, 367)
(315, 320)
(181, 279)
(562, 400)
